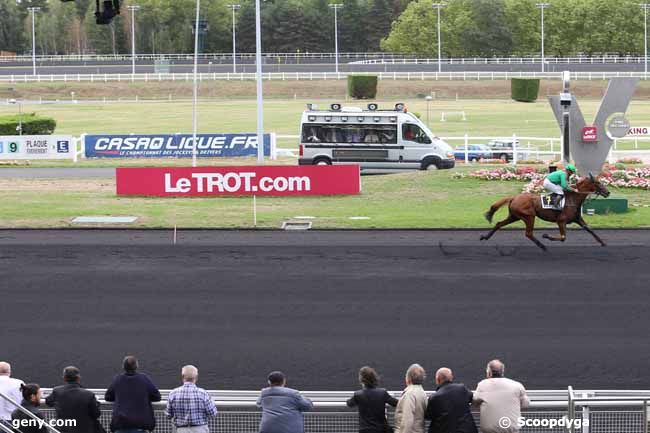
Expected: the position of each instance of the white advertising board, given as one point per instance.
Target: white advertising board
(37, 147)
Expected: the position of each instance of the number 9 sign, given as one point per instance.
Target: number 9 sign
(13, 147)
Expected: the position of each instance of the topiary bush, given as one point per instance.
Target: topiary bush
(524, 89)
(362, 86)
(31, 124)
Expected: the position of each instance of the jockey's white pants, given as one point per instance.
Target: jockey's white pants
(550, 186)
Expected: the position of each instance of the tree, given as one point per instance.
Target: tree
(490, 33)
(108, 39)
(13, 39)
(377, 23)
(352, 36)
(416, 30)
(523, 18)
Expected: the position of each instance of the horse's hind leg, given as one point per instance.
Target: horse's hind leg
(562, 226)
(530, 226)
(509, 220)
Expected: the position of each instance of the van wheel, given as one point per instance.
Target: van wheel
(474, 160)
(503, 157)
(430, 164)
(322, 161)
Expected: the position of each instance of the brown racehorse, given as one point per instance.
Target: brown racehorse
(526, 207)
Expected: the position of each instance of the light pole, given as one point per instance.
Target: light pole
(20, 115)
(195, 81)
(336, 7)
(258, 80)
(645, 7)
(543, 6)
(234, 38)
(33, 11)
(438, 7)
(133, 8)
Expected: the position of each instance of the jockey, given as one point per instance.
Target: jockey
(557, 182)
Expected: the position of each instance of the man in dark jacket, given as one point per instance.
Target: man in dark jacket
(132, 393)
(71, 401)
(449, 407)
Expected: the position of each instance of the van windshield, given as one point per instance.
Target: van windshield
(349, 133)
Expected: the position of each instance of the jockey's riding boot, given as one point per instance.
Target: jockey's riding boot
(556, 200)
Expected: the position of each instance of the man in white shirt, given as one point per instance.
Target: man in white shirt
(500, 399)
(11, 388)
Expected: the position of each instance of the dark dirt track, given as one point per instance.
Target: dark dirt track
(318, 305)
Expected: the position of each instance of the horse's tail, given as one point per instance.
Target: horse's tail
(495, 207)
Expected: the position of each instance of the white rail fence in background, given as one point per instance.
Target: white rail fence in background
(524, 149)
(396, 60)
(308, 76)
(371, 58)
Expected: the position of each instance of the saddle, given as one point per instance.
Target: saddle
(550, 201)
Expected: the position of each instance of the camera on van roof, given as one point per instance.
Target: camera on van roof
(373, 107)
(335, 107)
(400, 106)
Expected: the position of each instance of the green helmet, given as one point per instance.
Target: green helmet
(571, 167)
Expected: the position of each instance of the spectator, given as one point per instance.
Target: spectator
(500, 398)
(131, 394)
(72, 402)
(189, 406)
(371, 402)
(408, 133)
(371, 136)
(11, 388)
(409, 415)
(282, 407)
(449, 407)
(31, 400)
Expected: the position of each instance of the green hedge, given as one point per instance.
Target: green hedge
(31, 123)
(362, 86)
(524, 89)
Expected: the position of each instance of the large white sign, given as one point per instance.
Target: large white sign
(37, 147)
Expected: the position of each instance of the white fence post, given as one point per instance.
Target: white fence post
(82, 150)
(466, 148)
(514, 149)
(274, 146)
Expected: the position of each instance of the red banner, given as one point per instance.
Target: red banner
(278, 180)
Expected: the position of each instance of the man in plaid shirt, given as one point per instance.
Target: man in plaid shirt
(189, 406)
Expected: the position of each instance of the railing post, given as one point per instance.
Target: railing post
(585, 419)
(571, 409)
(514, 149)
(645, 416)
(466, 148)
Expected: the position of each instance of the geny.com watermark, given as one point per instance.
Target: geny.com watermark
(19, 424)
(550, 423)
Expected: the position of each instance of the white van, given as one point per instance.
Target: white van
(372, 138)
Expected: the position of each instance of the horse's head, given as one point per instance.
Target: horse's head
(592, 184)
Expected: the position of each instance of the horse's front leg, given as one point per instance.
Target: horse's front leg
(562, 226)
(581, 222)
